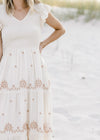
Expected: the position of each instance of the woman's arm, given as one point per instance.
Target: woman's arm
(59, 30)
(1, 49)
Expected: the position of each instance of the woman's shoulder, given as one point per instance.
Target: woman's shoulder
(43, 10)
(42, 6)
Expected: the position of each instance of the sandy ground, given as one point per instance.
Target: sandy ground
(74, 67)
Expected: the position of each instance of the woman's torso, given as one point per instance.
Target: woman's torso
(21, 33)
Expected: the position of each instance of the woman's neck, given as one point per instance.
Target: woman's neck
(19, 4)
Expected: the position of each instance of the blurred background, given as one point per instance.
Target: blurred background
(74, 67)
(72, 9)
(73, 63)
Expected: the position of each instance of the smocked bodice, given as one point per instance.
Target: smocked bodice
(26, 32)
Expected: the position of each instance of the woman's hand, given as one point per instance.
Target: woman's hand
(42, 45)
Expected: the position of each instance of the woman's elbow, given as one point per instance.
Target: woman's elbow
(63, 31)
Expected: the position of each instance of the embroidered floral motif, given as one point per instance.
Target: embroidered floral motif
(32, 99)
(10, 54)
(45, 127)
(15, 66)
(19, 113)
(4, 84)
(49, 113)
(23, 84)
(10, 101)
(26, 126)
(27, 110)
(2, 114)
(25, 100)
(8, 127)
(33, 125)
(38, 83)
(42, 66)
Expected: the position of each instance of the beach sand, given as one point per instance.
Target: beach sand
(74, 67)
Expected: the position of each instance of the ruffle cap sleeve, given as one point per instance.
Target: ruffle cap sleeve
(43, 9)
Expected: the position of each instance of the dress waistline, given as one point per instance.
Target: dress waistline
(7, 49)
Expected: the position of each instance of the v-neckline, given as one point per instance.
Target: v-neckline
(20, 20)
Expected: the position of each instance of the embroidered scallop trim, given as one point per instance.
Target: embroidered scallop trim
(23, 84)
(33, 125)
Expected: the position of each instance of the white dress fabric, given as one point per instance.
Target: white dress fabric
(25, 89)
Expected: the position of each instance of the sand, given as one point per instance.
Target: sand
(74, 67)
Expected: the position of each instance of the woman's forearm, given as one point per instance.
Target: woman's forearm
(54, 36)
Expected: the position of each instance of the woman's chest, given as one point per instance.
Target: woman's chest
(28, 28)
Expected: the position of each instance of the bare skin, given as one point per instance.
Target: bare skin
(21, 11)
(53, 22)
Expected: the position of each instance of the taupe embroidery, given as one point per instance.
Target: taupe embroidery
(15, 66)
(33, 125)
(38, 83)
(10, 54)
(42, 66)
(49, 113)
(22, 53)
(25, 100)
(2, 114)
(4, 84)
(8, 127)
(19, 113)
(23, 84)
(10, 101)
(27, 110)
(32, 99)
(46, 129)
(26, 126)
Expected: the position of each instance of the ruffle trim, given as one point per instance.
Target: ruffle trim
(43, 9)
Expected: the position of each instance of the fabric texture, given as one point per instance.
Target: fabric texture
(26, 107)
(43, 9)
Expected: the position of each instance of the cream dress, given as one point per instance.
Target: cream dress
(25, 88)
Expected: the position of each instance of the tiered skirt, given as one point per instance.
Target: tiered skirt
(26, 108)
